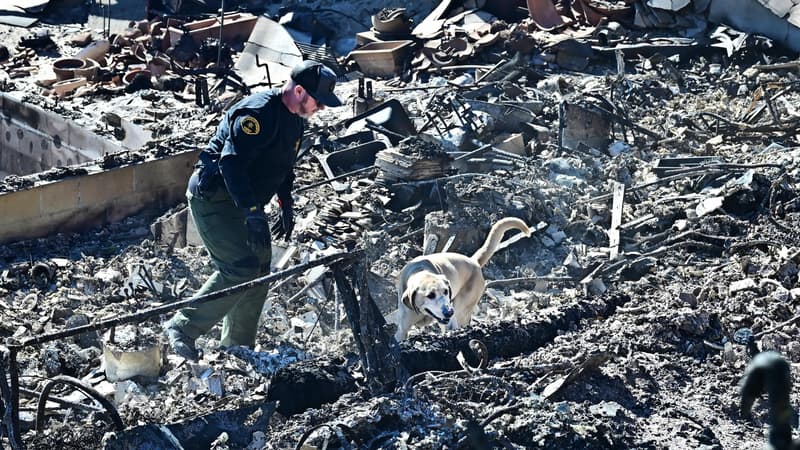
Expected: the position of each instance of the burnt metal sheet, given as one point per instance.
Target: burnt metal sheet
(16, 16)
(31, 6)
(269, 47)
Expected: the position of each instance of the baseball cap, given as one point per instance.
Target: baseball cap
(318, 80)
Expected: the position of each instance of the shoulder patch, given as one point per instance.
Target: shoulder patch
(250, 125)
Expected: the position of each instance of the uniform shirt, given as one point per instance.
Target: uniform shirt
(255, 149)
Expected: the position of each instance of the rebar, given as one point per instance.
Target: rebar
(110, 412)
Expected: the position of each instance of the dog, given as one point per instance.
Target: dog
(445, 287)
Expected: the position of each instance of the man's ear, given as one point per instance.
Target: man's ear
(408, 299)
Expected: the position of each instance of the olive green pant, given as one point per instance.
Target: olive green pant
(221, 226)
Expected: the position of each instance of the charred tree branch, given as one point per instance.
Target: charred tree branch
(380, 354)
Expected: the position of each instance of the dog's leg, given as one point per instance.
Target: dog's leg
(404, 323)
(402, 333)
(453, 324)
(467, 300)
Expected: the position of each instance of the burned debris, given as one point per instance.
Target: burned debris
(650, 147)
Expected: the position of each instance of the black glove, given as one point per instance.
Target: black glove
(285, 224)
(257, 229)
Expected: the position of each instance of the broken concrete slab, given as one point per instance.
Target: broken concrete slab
(101, 196)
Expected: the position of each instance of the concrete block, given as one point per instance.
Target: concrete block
(171, 230)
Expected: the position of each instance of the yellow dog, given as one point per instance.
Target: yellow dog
(445, 287)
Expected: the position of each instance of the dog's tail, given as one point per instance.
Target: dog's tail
(484, 254)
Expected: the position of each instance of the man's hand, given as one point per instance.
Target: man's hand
(257, 230)
(285, 224)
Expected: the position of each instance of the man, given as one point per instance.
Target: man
(250, 159)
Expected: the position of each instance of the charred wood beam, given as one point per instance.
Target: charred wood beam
(504, 340)
(381, 345)
(309, 384)
(197, 432)
(9, 391)
(351, 308)
(379, 353)
(5, 404)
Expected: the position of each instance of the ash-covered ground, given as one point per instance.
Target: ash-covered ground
(642, 350)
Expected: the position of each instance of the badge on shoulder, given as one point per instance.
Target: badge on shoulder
(250, 125)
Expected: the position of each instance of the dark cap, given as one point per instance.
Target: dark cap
(318, 80)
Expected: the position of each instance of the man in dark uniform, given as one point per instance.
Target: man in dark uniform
(250, 159)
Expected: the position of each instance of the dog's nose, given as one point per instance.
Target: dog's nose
(447, 312)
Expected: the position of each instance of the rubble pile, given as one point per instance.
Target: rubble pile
(657, 173)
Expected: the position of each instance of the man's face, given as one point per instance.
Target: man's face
(308, 106)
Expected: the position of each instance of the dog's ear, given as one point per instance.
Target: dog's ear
(408, 299)
(449, 287)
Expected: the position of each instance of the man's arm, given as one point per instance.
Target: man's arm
(246, 133)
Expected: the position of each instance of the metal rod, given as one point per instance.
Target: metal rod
(109, 410)
(336, 178)
(141, 315)
(62, 401)
(472, 153)
(221, 26)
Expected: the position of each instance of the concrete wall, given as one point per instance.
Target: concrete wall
(33, 140)
(79, 203)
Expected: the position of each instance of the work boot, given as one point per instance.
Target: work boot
(181, 344)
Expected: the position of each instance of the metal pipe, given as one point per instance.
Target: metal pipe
(336, 178)
(62, 401)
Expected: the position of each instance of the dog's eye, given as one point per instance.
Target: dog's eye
(431, 295)
(447, 292)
